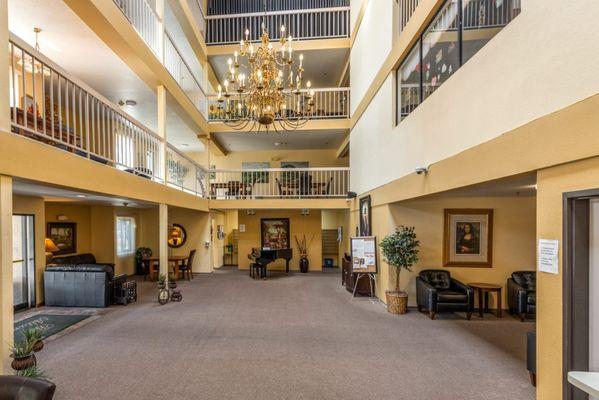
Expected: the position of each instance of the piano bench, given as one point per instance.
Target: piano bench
(256, 270)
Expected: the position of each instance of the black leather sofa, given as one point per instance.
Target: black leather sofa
(79, 281)
(437, 291)
(522, 294)
(21, 388)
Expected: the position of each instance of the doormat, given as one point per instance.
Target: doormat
(52, 324)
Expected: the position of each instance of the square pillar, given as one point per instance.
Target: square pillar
(6, 283)
(163, 238)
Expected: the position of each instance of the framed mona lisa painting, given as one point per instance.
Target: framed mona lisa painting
(468, 238)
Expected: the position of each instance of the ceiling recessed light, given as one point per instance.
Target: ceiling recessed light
(81, 196)
(184, 144)
(280, 143)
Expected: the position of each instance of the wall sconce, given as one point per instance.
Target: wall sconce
(62, 217)
(207, 244)
(251, 212)
(305, 212)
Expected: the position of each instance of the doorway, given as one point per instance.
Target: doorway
(23, 261)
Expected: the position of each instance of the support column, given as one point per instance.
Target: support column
(4, 66)
(161, 116)
(163, 238)
(6, 283)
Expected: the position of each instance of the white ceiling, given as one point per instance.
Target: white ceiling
(322, 67)
(301, 140)
(72, 45)
(56, 194)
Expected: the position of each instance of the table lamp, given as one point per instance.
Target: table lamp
(50, 248)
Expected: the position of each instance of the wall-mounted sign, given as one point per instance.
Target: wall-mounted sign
(548, 256)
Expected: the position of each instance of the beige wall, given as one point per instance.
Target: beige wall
(486, 86)
(298, 226)
(77, 213)
(197, 226)
(316, 158)
(218, 249)
(35, 206)
(514, 230)
(552, 183)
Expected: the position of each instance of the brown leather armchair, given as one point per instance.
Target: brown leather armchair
(21, 388)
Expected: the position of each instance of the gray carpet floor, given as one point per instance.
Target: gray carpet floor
(290, 337)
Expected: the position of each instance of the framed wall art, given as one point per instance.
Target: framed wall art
(468, 238)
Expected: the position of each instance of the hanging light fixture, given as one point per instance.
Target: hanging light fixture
(31, 66)
(261, 89)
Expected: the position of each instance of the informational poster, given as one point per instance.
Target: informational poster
(548, 256)
(363, 253)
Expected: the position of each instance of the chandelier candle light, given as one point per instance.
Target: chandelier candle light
(261, 89)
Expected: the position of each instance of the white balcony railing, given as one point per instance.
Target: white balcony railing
(284, 183)
(304, 24)
(406, 9)
(219, 7)
(329, 103)
(185, 174)
(151, 29)
(180, 71)
(49, 106)
(198, 14)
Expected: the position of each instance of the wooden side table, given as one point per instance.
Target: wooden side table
(483, 290)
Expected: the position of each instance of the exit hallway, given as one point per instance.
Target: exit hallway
(290, 337)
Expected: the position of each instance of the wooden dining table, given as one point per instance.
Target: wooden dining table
(173, 260)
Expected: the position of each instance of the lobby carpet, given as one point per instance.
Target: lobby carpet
(290, 337)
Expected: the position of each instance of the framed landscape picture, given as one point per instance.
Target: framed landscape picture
(365, 218)
(468, 238)
(275, 233)
(64, 236)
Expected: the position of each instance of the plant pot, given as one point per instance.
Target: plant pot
(304, 264)
(397, 302)
(38, 346)
(21, 363)
(172, 284)
(162, 286)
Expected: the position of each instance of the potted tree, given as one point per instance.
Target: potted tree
(400, 250)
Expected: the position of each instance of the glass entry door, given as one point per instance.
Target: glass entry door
(23, 261)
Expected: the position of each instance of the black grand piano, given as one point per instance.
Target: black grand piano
(263, 257)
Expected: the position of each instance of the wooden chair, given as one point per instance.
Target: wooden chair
(282, 192)
(187, 265)
(328, 189)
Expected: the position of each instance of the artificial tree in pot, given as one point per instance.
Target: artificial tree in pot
(400, 250)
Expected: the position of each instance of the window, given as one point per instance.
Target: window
(458, 31)
(440, 48)
(125, 235)
(408, 84)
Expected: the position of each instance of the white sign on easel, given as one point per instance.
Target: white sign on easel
(548, 256)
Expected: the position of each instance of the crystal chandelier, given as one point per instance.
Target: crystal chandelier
(262, 90)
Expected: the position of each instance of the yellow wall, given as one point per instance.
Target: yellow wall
(77, 213)
(514, 230)
(316, 158)
(298, 226)
(197, 226)
(552, 183)
(333, 219)
(217, 218)
(35, 206)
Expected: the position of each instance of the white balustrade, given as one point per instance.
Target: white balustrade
(279, 183)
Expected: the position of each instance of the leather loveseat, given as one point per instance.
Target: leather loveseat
(437, 291)
(79, 281)
(522, 293)
(21, 388)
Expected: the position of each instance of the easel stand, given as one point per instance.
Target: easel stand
(360, 275)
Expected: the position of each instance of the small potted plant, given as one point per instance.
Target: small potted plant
(33, 372)
(303, 247)
(34, 336)
(172, 282)
(22, 355)
(400, 250)
(161, 281)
